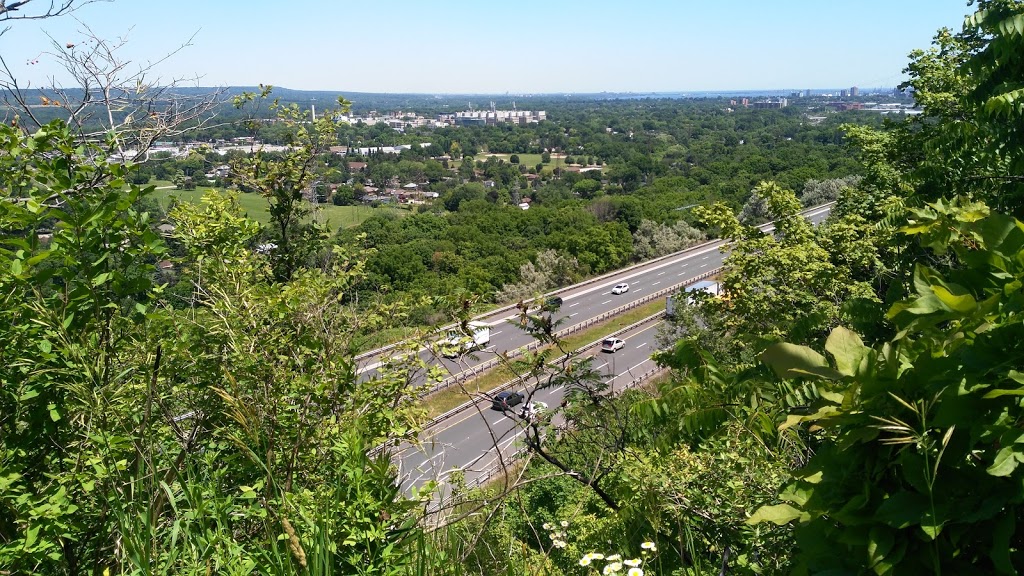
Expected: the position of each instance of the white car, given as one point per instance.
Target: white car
(534, 410)
(612, 344)
(620, 288)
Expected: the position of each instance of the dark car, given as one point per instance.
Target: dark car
(549, 304)
(506, 400)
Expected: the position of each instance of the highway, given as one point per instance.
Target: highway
(585, 301)
(472, 440)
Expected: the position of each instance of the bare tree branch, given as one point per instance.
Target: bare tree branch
(30, 10)
(109, 98)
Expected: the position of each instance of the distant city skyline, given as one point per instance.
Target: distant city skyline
(530, 47)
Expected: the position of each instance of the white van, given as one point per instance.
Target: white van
(456, 342)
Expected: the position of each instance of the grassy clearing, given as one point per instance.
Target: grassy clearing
(256, 207)
(381, 338)
(455, 396)
(528, 160)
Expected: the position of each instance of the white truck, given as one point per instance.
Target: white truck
(457, 343)
(709, 286)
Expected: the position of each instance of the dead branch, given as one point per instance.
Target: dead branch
(111, 99)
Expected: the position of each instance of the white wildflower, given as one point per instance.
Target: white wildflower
(633, 562)
(614, 557)
(612, 568)
(585, 561)
(635, 572)
(649, 546)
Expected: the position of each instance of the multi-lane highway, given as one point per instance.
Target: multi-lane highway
(588, 300)
(471, 441)
(475, 439)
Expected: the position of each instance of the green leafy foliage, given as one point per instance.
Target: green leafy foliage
(920, 470)
(225, 434)
(790, 282)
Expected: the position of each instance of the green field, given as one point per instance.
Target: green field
(528, 160)
(255, 206)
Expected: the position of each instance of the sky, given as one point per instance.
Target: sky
(528, 46)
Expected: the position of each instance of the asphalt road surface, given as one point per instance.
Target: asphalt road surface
(471, 441)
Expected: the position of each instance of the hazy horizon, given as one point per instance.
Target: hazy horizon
(457, 47)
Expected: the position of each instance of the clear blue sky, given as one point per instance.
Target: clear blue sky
(489, 46)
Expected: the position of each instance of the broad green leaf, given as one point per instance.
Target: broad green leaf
(1005, 462)
(1003, 392)
(902, 509)
(31, 535)
(962, 302)
(1005, 526)
(931, 530)
(794, 419)
(847, 348)
(778, 514)
(880, 541)
(791, 361)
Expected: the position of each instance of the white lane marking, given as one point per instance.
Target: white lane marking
(705, 258)
(631, 369)
(641, 346)
(496, 333)
(681, 274)
(605, 302)
(553, 390)
(662, 273)
(656, 283)
(574, 304)
(503, 418)
(573, 314)
(431, 459)
(601, 366)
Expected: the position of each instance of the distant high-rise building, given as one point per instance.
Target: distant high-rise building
(844, 93)
(854, 91)
(807, 93)
(777, 103)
